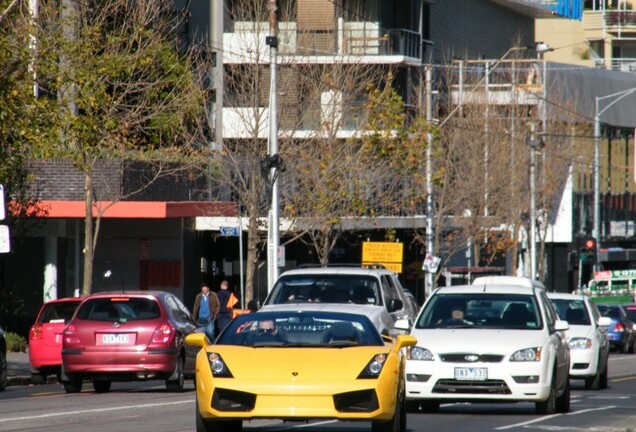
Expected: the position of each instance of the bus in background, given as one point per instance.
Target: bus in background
(613, 286)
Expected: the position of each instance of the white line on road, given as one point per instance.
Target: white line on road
(98, 410)
(540, 419)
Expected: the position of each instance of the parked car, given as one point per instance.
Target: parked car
(135, 335)
(45, 337)
(374, 290)
(587, 337)
(4, 381)
(489, 343)
(630, 309)
(621, 332)
(300, 365)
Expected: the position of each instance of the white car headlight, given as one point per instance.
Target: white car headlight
(527, 355)
(419, 353)
(579, 343)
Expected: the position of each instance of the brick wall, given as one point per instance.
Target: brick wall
(58, 179)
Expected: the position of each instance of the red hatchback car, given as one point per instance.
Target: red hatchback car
(45, 337)
(135, 335)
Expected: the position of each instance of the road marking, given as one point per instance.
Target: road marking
(540, 419)
(98, 410)
(537, 420)
(628, 378)
(322, 423)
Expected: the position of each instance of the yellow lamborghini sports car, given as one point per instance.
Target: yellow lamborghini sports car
(300, 365)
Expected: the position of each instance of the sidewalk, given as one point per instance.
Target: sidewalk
(18, 370)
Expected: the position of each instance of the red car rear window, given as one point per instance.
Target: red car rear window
(58, 312)
(119, 309)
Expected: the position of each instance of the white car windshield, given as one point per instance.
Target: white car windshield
(480, 310)
(318, 288)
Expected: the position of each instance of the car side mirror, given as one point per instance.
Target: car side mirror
(561, 325)
(402, 324)
(604, 321)
(395, 304)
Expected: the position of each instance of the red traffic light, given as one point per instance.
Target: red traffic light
(589, 243)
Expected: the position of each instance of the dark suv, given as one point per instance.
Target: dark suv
(376, 292)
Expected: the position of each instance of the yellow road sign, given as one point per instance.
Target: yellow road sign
(388, 254)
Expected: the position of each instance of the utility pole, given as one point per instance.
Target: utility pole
(533, 203)
(273, 235)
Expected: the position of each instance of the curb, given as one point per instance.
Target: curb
(19, 380)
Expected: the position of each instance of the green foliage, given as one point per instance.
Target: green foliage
(15, 342)
(11, 307)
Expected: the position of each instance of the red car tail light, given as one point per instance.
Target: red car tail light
(36, 332)
(71, 337)
(163, 335)
(619, 327)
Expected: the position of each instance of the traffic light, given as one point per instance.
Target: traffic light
(587, 250)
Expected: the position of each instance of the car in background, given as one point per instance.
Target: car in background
(587, 337)
(489, 343)
(621, 332)
(374, 291)
(299, 365)
(45, 337)
(630, 309)
(128, 336)
(4, 380)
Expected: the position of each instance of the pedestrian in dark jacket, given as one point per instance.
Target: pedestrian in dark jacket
(227, 301)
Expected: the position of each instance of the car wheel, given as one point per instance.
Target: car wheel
(38, 378)
(594, 382)
(562, 402)
(412, 406)
(547, 406)
(101, 386)
(204, 425)
(73, 386)
(429, 406)
(176, 385)
(603, 383)
(397, 422)
(4, 381)
(625, 347)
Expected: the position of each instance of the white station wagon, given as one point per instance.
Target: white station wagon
(489, 343)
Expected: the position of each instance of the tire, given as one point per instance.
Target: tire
(177, 384)
(4, 380)
(73, 385)
(429, 406)
(625, 347)
(603, 380)
(562, 402)
(38, 378)
(397, 423)
(547, 406)
(594, 382)
(203, 425)
(101, 386)
(412, 406)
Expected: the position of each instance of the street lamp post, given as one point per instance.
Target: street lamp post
(596, 230)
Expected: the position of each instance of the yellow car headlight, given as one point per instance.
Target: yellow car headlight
(374, 367)
(218, 366)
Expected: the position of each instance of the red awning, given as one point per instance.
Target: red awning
(136, 209)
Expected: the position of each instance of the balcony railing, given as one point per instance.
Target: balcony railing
(354, 38)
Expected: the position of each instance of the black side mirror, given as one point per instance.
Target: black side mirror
(395, 304)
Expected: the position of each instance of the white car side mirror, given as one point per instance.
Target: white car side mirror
(402, 324)
(604, 321)
(561, 325)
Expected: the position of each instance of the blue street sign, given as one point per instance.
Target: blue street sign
(229, 231)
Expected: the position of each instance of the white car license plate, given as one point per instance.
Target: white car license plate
(471, 374)
(115, 338)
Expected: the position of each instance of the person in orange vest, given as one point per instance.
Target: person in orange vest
(227, 300)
